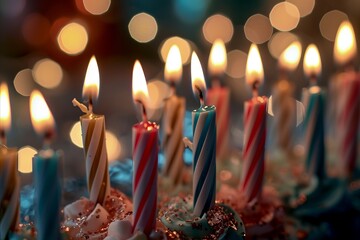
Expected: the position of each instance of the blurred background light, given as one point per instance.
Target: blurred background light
(305, 6)
(258, 29)
(190, 11)
(218, 26)
(12, 8)
(75, 135)
(279, 42)
(158, 92)
(73, 38)
(330, 23)
(184, 47)
(143, 27)
(97, 7)
(35, 29)
(236, 64)
(47, 73)
(284, 16)
(24, 82)
(25, 155)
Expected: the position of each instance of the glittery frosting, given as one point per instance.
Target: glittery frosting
(219, 222)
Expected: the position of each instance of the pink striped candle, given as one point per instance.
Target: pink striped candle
(219, 96)
(254, 131)
(145, 157)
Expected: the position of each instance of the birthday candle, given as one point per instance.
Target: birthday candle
(145, 157)
(314, 116)
(9, 179)
(93, 136)
(172, 124)
(46, 172)
(204, 144)
(219, 96)
(254, 131)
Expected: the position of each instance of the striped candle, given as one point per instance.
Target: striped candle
(9, 191)
(97, 174)
(314, 133)
(172, 145)
(254, 148)
(145, 157)
(47, 194)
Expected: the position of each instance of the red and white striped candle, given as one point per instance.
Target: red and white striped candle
(145, 157)
(254, 131)
(219, 96)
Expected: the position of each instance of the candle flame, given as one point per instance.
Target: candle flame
(312, 61)
(218, 59)
(41, 117)
(173, 65)
(139, 87)
(290, 57)
(254, 67)
(92, 80)
(197, 76)
(345, 44)
(5, 111)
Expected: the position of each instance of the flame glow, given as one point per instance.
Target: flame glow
(173, 65)
(197, 76)
(217, 59)
(345, 44)
(5, 111)
(312, 61)
(41, 117)
(92, 80)
(139, 87)
(290, 57)
(254, 67)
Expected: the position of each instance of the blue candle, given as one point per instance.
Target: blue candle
(46, 172)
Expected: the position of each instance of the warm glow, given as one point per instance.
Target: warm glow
(25, 156)
(73, 38)
(217, 60)
(345, 44)
(258, 29)
(143, 27)
(284, 16)
(41, 117)
(218, 27)
(47, 73)
(279, 42)
(254, 68)
(173, 65)
(5, 112)
(290, 57)
(197, 75)
(92, 80)
(330, 23)
(75, 135)
(97, 7)
(312, 61)
(184, 47)
(236, 63)
(139, 87)
(24, 82)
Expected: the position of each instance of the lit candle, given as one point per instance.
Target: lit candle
(347, 97)
(254, 130)
(204, 144)
(284, 107)
(9, 179)
(46, 172)
(314, 116)
(93, 136)
(145, 157)
(174, 112)
(219, 96)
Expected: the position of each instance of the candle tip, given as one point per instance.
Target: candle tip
(82, 107)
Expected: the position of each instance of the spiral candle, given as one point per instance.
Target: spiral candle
(47, 194)
(204, 158)
(93, 135)
(9, 191)
(173, 146)
(254, 148)
(145, 156)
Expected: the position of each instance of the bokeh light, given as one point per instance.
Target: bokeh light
(12, 8)
(236, 64)
(258, 29)
(330, 23)
(36, 29)
(305, 6)
(25, 156)
(143, 27)
(24, 82)
(73, 38)
(47, 73)
(97, 7)
(284, 16)
(279, 42)
(158, 92)
(184, 47)
(75, 135)
(218, 27)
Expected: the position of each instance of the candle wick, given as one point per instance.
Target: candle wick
(2, 137)
(82, 107)
(201, 96)
(90, 105)
(255, 87)
(172, 88)
(143, 110)
(313, 80)
(48, 136)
